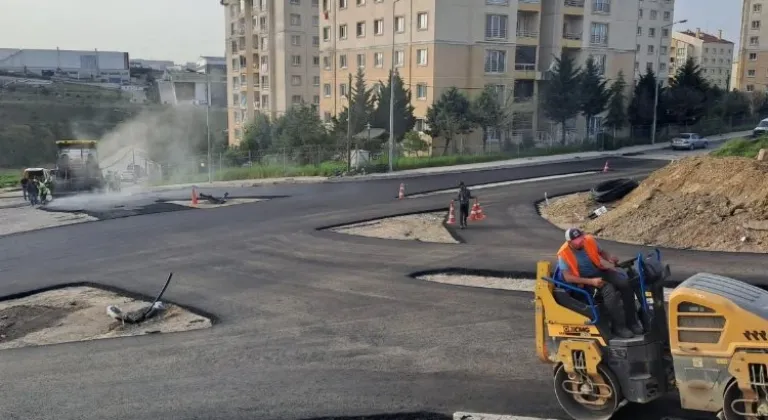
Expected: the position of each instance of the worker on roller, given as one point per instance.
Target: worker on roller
(580, 260)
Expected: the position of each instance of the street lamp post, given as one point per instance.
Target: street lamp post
(208, 122)
(658, 83)
(392, 93)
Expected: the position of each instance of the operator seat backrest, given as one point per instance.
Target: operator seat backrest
(742, 294)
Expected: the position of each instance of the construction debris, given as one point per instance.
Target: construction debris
(424, 227)
(214, 200)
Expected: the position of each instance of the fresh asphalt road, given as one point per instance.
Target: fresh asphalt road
(311, 323)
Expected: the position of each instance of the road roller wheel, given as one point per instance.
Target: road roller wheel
(585, 398)
(736, 407)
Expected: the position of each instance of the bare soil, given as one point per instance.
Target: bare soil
(570, 210)
(425, 227)
(702, 203)
(79, 314)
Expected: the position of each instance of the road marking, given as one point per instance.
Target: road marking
(503, 184)
(482, 416)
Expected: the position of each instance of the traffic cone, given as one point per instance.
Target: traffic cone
(401, 194)
(605, 167)
(479, 215)
(473, 213)
(194, 197)
(451, 215)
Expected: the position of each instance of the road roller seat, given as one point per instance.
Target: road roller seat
(581, 300)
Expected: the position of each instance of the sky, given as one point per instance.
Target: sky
(182, 30)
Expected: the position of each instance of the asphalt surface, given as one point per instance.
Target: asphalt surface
(311, 324)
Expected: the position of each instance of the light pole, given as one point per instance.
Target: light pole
(392, 93)
(208, 121)
(658, 83)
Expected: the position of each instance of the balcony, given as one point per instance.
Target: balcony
(572, 39)
(598, 40)
(525, 71)
(529, 6)
(242, 87)
(573, 7)
(527, 37)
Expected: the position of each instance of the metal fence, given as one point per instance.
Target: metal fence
(329, 160)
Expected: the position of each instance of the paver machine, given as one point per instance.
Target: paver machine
(77, 167)
(709, 344)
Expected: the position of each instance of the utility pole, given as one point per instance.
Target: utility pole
(208, 122)
(392, 93)
(349, 123)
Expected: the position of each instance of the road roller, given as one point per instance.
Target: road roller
(707, 342)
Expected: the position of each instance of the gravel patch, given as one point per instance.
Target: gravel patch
(79, 314)
(28, 218)
(569, 210)
(203, 204)
(424, 227)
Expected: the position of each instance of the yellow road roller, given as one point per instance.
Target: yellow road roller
(708, 343)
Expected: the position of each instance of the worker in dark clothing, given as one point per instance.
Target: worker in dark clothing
(33, 192)
(24, 182)
(464, 196)
(580, 260)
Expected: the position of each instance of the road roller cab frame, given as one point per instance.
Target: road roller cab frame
(713, 350)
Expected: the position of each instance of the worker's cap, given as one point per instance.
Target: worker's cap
(574, 235)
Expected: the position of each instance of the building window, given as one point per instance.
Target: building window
(342, 4)
(378, 27)
(422, 21)
(651, 32)
(342, 31)
(296, 40)
(316, 81)
(360, 29)
(601, 6)
(750, 88)
(343, 89)
(315, 61)
(421, 91)
(296, 60)
(754, 41)
(752, 56)
(326, 34)
(316, 99)
(496, 26)
(654, 14)
(757, 8)
(399, 58)
(296, 99)
(378, 60)
(421, 57)
(361, 60)
(667, 16)
(400, 24)
(296, 2)
(640, 14)
(315, 21)
(750, 73)
(343, 61)
(755, 24)
(663, 50)
(599, 34)
(327, 117)
(650, 49)
(662, 66)
(649, 66)
(639, 30)
(295, 19)
(327, 63)
(361, 2)
(315, 41)
(495, 61)
(600, 61)
(664, 32)
(327, 90)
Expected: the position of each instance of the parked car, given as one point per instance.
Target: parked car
(761, 128)
(689, 141)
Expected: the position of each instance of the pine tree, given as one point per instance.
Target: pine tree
(594, 91)
(640, 110)
(617, 108)
(362, 103)
(403, 110)
(688, 94)
(449, 116)
(561, 100)
(487, 111)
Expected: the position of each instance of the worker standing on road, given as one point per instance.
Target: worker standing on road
(44, 191)
(24, 181)
(32, 191)
(580, 261)
(464, 196)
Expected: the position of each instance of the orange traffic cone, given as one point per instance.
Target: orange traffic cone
(194, 196)
(606, 168)
(473, 213)
(401, 194)
(451, 215)
(479, 215)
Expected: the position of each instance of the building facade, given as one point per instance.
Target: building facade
(752, 70)
(655, 19)
(97, 66)
(469, 44)
(711, 53)
(272, 58)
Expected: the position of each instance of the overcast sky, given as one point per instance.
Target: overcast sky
(182, 30)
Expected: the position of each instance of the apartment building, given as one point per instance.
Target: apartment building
(752, 69)
(655, 19)
(468, 44)
(712, 53)
(273, 59)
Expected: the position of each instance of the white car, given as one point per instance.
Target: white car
(689, 141)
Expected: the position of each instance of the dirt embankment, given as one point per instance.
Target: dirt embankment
(704, 202)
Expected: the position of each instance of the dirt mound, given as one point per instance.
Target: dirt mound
(701, 202)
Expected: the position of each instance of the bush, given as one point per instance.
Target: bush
(743, 147)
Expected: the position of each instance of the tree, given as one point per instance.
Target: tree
(640, 110)
(487, 111)
(561, 100)
(594, 91)
(258, 134)
(403, 110)
(362, 103)
(301, 131)
(449, 116)
(617, 108)
(687, 95)
(413, 143)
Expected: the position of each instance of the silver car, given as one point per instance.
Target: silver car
(689, 141)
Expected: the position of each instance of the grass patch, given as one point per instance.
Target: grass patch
(743, 147)
(10, 178)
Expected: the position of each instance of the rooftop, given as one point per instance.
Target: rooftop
(708, 38)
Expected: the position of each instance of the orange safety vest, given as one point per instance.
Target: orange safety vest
(590, 246)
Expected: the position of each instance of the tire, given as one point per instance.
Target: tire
(705, 145)
(616, 189)
(692, 147)
(576, 409)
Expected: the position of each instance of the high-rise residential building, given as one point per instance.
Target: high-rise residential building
(711, 53)
(655, 19)
(752, 71)
(273, 58)
(469, 44)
